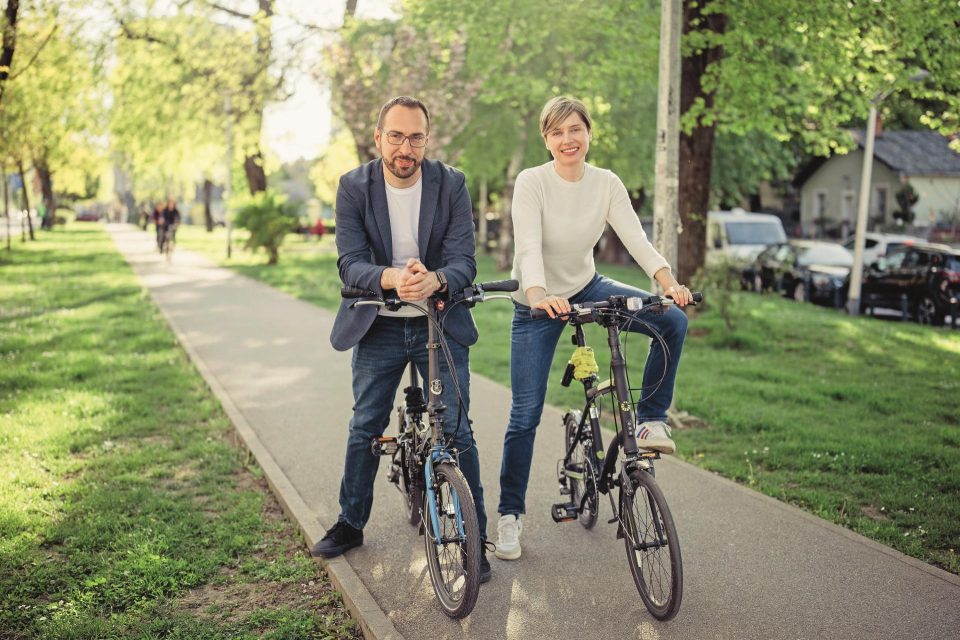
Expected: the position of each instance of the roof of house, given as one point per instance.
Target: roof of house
(913, 153)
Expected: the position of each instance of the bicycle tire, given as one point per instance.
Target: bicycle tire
(658, 567)
(581, 457)
(454, 566)
(412, 494)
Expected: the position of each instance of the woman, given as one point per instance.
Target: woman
(559, 213)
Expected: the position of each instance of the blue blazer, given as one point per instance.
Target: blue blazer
(365, 248)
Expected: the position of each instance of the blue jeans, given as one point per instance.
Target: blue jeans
(532, 345)
(379, 365)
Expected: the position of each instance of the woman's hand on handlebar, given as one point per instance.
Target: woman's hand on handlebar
(681, 295)
(553, 305)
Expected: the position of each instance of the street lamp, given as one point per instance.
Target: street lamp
(863, 202)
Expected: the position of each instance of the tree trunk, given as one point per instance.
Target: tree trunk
(46, 193)
(6, 202)
(696, 149)
(26, 199)
(505, 242)
(253, 168)
(9, 43)
(207, 196)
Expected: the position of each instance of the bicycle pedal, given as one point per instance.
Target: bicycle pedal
(393, 475)
(564, 512)
(384, 446)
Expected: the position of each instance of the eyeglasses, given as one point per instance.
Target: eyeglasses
(417, 140)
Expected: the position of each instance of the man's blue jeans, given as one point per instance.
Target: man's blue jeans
(532, 345)
(379, 365)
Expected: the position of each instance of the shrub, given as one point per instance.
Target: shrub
(720, 282)
(269, 218)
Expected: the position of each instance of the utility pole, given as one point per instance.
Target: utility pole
(666, 218)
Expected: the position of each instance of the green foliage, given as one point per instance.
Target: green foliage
(125, 512)
(906, 196)
(52, 112)
(721, 283)
(269, 218)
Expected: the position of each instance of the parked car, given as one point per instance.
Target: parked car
(802, 270)
(741, 235)
(87, 215)
(880, 244)
(928, 274)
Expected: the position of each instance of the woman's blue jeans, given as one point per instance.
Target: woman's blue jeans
(379, 365)
(532, 345)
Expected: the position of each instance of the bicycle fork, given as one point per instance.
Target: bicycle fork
(439, 456)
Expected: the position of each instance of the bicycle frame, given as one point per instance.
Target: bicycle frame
(621, 390)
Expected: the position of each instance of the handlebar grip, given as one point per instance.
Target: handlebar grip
(356, 292)
(539, 314)
(697, 297)
(500, 285)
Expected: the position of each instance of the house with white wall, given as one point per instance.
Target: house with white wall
(829, 187)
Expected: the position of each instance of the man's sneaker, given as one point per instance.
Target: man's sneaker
(656, 437)
(485, 570)
(508, 531)
(341, 538)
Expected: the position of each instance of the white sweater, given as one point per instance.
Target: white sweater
(556, 224)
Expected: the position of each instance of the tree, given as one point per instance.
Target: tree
(210, 44)
(340, 157)
(790, 70)
(906, 196)
(9, 42)
(52, 106)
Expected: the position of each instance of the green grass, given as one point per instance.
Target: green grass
(125, 511)
(853, 419)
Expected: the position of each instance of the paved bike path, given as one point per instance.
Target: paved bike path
(754, 568)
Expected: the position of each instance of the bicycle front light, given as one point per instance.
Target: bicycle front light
(634, 303)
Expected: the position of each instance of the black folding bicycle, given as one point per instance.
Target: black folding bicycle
(587, 469)
(423, 464)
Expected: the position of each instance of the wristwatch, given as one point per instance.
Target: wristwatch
(442, 279)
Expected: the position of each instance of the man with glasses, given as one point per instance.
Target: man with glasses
(404, 223)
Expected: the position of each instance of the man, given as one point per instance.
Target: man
(403, 223)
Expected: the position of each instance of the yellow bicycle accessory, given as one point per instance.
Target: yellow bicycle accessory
(584, 362)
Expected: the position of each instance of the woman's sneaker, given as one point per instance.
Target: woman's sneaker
(656, 437)
(508, 531)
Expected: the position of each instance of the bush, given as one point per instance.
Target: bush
(720, 282)
(269, 218)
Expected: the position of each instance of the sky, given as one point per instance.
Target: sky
(300, 126)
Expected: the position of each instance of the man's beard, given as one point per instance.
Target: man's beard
(402, 172)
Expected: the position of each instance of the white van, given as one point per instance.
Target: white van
(741, 235)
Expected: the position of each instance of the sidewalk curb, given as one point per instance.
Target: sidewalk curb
(373, 622)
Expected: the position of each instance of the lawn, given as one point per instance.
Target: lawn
(856, 420)
(125, 511)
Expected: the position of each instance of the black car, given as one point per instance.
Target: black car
(927, 274)
(802, 270)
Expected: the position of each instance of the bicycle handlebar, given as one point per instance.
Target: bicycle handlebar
(471, 295)
(633, 303)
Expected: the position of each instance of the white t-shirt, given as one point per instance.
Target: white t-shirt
(404, 208)
(556, 223)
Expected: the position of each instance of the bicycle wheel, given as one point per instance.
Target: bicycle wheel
(580, 464)
(453, 560)
(653, 547)
(412, 495)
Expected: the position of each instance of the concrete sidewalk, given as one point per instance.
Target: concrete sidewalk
(753, 567)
